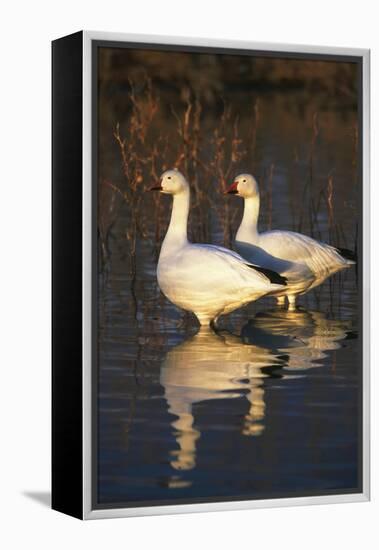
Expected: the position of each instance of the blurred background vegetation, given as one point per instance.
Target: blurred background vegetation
(211, 77)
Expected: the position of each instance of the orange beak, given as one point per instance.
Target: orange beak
(232, 190)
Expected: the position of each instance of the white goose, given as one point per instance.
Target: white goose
(208, 280)
(305, 263)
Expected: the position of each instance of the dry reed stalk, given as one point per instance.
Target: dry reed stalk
(107, 214)
(135, 156)
(329, 202)
(293, 187)
(201, 196)
(308, 186)
(188, 160)
(227, 156)
(254, 130)
(270, 178)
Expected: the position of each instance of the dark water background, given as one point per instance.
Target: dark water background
(269, 406)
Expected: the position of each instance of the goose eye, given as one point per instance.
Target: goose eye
(244, 181)
(168, 177)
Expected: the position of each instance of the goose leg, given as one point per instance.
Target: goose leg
(213, 324)
(280, 300)
(292, 302)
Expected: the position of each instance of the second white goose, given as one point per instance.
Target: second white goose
(305, 262)
(208, 280)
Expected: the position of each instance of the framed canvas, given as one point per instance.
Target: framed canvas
(210, 275)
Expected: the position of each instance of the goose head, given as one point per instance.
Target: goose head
(244, 185)
(171, 182)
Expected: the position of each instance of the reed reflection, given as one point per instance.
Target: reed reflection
(212, 366)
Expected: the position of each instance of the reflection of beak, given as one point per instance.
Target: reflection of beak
(232, 190)
(156, 186)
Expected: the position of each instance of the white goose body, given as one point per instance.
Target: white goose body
(208, 280)
(305, 262)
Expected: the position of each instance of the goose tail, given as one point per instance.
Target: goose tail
(271, 275)
(348, 255)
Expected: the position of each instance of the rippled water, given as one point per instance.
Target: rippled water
(269, 406)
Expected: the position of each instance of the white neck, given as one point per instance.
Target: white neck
(176, 236)
(248, 230)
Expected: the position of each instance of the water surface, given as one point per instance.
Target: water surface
(268, 406)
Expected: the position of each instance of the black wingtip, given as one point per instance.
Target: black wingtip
(347, 254)
(273, 276)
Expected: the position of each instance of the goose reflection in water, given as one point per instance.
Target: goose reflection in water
(224, 366)
(304, 336)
